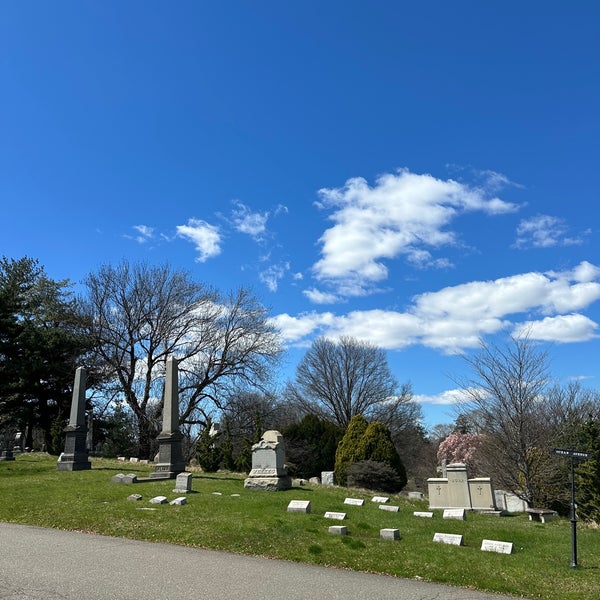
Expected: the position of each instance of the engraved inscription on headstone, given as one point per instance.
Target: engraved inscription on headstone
(354, 501)
(425, 514)
(496, 546)
(389, 507)
(300, 506)
(455, 513)
(448, 538)
(381, 499)
(340, 516)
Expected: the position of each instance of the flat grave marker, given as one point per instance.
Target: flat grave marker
(354, 501)
(389, 507)
(389, 534)
(424, 514)
(340, 516)
(496, 546)
(448, 538)
(299, 506)
(380, 499)
(455, 513)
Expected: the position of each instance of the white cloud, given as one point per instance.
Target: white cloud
(144, 234)
(273, 274)
(455, 318)
(206, 238)
(251, 223)
(563, 328)
(449, 397)
(403, 214)
(319, 297)
(543, 231)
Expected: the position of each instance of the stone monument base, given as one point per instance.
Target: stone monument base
(72, 462)
(269, 484)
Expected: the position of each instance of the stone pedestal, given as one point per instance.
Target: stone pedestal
(268, 464)
(75, 457)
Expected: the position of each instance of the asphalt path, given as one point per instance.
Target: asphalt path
(50, 564)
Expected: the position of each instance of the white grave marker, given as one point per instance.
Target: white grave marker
(425, 514)
(455, 513)
(448, 538)
(389, 507)
(495, 546)
(380, 499)
(354, 501)
(389, 534)
(299, 506)
(340, 516)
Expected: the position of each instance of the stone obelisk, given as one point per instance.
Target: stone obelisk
(75, 456)
(170, 453)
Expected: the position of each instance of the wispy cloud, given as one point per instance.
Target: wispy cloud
(251, 223)
(144, 234)
(449, 397)
(206, 238)
(544, 231)
(273, 274)
(403, 214)
(456, 318)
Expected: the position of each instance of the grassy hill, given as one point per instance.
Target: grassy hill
(222, 515)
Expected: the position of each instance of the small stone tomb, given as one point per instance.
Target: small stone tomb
(134, 497)
(380, 499)
(340, 516)
(299, 506)
(134, 460)
(327, 478)
(354, 501)
(457, 490)
(338, 530)
(448, 538)
(314, 481)
(179, 501)
(389, 534)
(495, 546)
(183, 483)
(389, 507)
(158, 500)
(455, 513)
(424, 514)
(269, 472)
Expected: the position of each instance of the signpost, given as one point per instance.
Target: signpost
(573, 455)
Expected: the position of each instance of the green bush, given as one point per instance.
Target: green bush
(207, 453)
(376, 445)
(375, 475)
(346, 452)
(310, 446)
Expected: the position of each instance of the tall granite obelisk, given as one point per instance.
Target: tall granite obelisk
(75, 456)
(170, 452)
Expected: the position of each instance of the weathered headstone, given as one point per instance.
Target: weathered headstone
(315, 481)
(354, 501)
(455, 513)
(448, 538)
(7, 452)
(340, 516)
(509, 502)
(134, 497)
(170, 452)
(19, 443)
(327, 478)
(389, 534)
(389, 507)
(75, 456)
(415, 495)
(495, 546)
(268, 464)
(179, 501)
(424, 514)
(299, 506)
(158, 500)
(338, 530)
(183, 483)
(380, 499)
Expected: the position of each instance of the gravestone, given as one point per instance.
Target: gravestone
(327, 478)
(179, 501)
(448, 538)
(170, 452)
(7, 452)
(457, 490)
(268, 464)
(338, 530)
(75, 456)
(158, 500)
(415, 495)
(495, 546)
(509, 502)
(389, 534)
(19, 443)
(134, 497)
(423, 514)
(299, 506)
(380, 499)
(354, 501)
(183, 483)
(340, 516)
(455, 513)
(389, 507)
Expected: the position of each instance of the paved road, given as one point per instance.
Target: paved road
(49, 564)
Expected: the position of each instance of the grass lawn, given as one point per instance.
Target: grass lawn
(33, 492)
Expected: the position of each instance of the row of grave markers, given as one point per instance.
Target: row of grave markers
(304, 506)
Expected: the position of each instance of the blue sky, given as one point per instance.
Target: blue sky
(420, 175)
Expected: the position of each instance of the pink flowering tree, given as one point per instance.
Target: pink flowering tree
(461, 448)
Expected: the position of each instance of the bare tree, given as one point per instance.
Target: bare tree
(142, 314)
(338, 380)
(505, 400)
